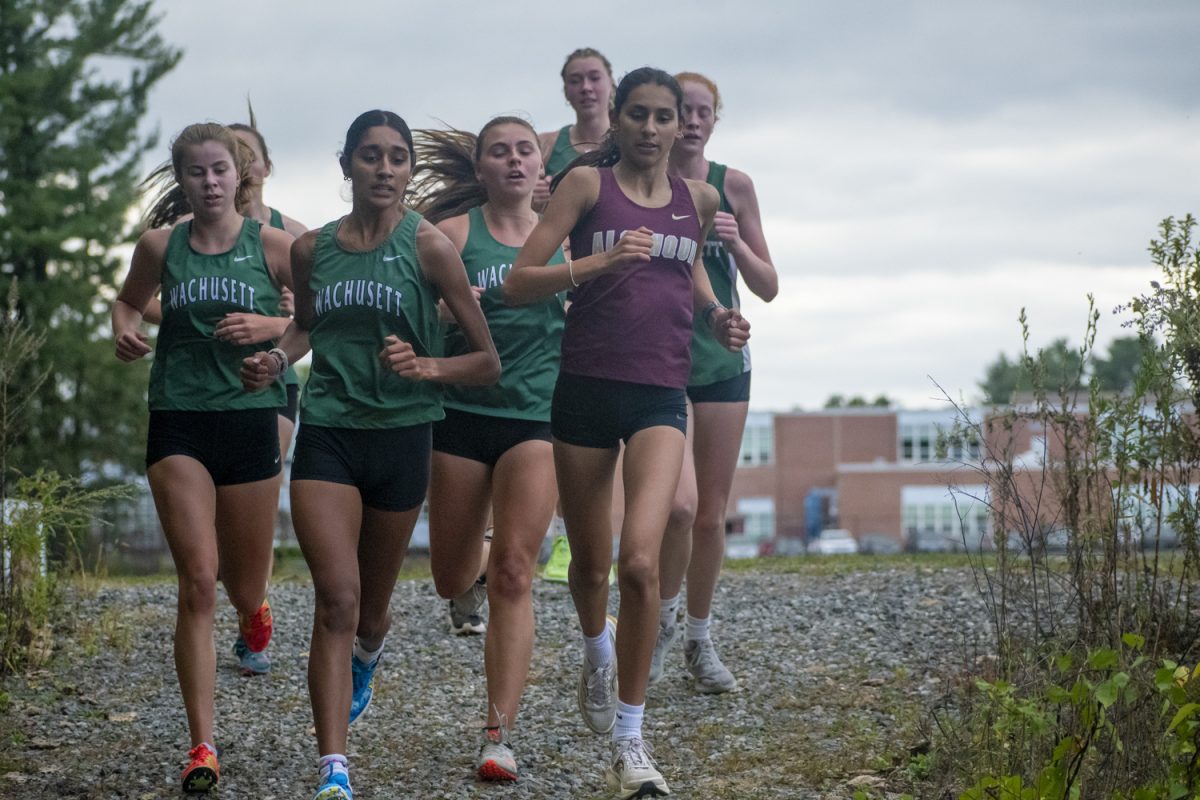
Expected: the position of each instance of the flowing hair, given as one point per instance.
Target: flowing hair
(608, 153)
(445, 185)
(170, 203)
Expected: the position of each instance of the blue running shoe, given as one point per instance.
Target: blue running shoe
(249, 662)
(363, 678)
(335, 786)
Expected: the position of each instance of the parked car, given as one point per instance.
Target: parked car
(879, 544)
(833, 541)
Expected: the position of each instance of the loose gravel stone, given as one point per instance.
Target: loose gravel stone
(104, 719)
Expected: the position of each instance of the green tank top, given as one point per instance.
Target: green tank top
(528, 338)
(289, 377)
(359, 299)
(562, 154)
(712, 363)
(193, 370)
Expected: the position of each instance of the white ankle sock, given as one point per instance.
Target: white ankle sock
(364, 655)
(334, 762)
(697, 629)
(629, 721)
(598, 649)
(668, 611)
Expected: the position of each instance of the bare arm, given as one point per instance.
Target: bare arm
(457, 229)
(728, 326)
(531, 278)
(241, 327)
(261, 369)
(140, 287)
(443, 268)
(742, 234)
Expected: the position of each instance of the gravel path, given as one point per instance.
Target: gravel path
(830, 667)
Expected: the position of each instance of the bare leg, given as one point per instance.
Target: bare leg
(186, 500)
(585, 483)
(524, 495)
(652, 462)
(328, 519)
(459, 497)
(245, 533)
(381, 550)
(677, 541)
(718, 437)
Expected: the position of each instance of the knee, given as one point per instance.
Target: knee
(337, 610)
(710, 523)
(509, 578)
(449, 581)
(683, 514)
(587, 575)
(638, 572)
(198, 592)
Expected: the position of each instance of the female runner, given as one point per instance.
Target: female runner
(212, 454)
(719, 391)
(635, 236)
(244, 328)
(367, 289)
(492, 451)
(588, 85)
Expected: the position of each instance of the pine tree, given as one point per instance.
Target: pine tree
(74, 81)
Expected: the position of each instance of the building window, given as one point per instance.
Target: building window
(758, 516)
(933, 518)
(918, 440)
(758, 441)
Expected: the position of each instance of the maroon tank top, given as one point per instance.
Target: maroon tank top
(634, 324)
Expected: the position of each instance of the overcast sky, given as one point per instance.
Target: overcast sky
(925, 170)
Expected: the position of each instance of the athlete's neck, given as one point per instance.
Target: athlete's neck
(215, 234)
(509, 223)
(647, 187)
(688, 165)
(255, 208)
(588, 132)
(365, 228)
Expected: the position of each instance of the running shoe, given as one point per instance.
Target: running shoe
(363, 687)
(202, 772)
(466, 610)
(335, 785)
(559, 564)
(633, 772)
(496, 761)
(256, 631)
(249, 662)
(667, 634)
(709, 675)
(598, 689)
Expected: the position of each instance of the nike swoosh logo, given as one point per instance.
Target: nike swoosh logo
(390, 258)
(677, 217)
(240, 259)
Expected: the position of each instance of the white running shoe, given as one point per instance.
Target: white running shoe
(466, 611)
(598, 689)
(708, 673)
(496, 761)
(667, 635)
(633, 772)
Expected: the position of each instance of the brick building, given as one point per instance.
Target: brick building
(873, 471)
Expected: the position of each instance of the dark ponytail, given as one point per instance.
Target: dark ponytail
(608, 153)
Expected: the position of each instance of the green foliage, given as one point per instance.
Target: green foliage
(857, 401)
(39, 506)
(75, 76)
(1061, 365)
(1073, 706)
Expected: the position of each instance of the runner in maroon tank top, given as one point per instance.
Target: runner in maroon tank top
(635, 282)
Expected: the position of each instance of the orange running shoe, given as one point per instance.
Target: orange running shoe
(202, 772)
(256, 631)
